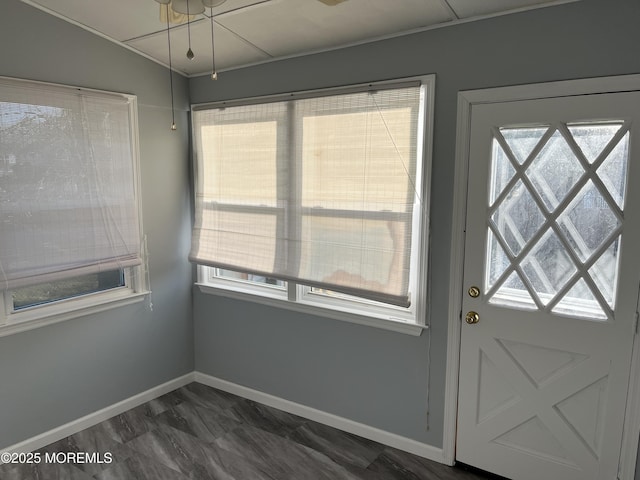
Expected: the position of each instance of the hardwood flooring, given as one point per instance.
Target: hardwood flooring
(197, 432)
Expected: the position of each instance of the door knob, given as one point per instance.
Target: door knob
(472, 317)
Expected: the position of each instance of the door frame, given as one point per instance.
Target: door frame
(466, 101)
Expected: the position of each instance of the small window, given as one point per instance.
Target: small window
(317, 200)
(71, 231)
(44, 293)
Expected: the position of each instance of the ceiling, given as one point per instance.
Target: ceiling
(254, 31)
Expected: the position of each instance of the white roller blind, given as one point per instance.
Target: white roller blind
(67, 183)
(318, 190)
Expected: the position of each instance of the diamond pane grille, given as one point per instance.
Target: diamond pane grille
(548, 266)
(555, 171)
(588, 221)
(522, 141)
(499, 260)
(502, 172)
(593, 138)
(613, 170)
(517, 218)
(556, 198)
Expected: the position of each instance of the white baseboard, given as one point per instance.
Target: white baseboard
(341, 423)
(94, 418)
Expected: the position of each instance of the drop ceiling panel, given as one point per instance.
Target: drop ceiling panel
(251, 31)
(118, 19)
(286, 27)
(474, 8)
(230, 50)
(122, 20)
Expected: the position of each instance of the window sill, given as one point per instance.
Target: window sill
(36, 317)
(398, 326)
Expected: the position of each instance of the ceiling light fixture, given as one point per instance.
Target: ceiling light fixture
(179, 11)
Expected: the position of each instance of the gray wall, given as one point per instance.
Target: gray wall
(61, 372)
(368, 375)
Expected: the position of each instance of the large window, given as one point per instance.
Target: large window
(317, 199)
(70, 236)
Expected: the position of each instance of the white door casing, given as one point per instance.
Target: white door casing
(550, 224)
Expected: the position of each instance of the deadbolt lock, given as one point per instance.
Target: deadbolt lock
(474, 292)
(472, 317)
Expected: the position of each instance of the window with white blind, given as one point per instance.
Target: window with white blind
(70, 239)
(317, 200)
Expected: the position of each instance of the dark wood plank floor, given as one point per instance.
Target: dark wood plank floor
(197, 432)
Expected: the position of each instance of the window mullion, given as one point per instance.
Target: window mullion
(293, 291)
(294, 187)
(6, 306)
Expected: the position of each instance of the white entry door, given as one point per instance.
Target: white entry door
(551, 278)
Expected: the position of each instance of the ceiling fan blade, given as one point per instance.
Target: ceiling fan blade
(331, 3)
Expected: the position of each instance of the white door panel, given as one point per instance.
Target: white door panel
(552, 239)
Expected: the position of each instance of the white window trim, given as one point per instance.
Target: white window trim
(249, 294)
(136, 287)
(54, 312)
(411, 322)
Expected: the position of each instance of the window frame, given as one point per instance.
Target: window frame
(300, 298)
(135, 288)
